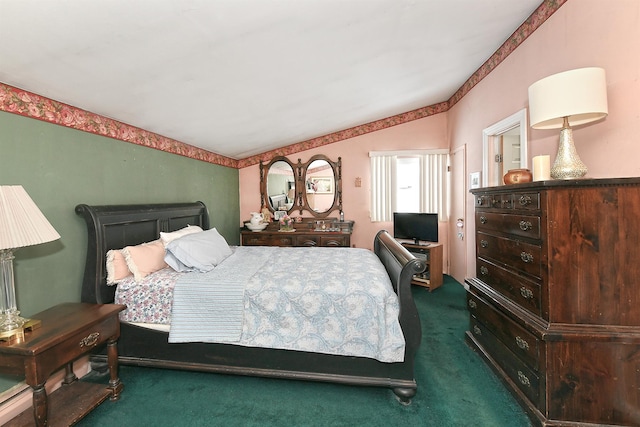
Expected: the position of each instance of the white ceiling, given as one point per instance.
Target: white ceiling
(241, 77)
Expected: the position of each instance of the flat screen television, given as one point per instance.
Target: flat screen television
(416, 226)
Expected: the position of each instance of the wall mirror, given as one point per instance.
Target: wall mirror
(322, 185)
(278, 184)
(314, 186)
(504, 147)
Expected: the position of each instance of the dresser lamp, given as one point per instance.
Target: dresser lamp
(571, 98)
(21, 224)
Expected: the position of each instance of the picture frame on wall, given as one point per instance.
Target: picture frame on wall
(475, 178)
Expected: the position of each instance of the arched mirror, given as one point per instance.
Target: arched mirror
(322, 181)
(278, 184)
(504, 148)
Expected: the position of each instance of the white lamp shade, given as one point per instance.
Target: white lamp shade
(580, 95)
(21, 222)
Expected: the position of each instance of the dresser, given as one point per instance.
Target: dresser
(305, 234)
(555, 304)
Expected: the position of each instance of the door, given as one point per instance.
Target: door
(457, 219)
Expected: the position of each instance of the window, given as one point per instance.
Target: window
(409, 181)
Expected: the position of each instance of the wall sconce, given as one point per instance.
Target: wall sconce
(568, 99)
(21, 224)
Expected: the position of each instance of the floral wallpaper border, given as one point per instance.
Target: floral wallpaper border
(22, 102)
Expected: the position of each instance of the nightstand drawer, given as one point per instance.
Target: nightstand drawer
(516, 254)
(523, 292)
(80, 343)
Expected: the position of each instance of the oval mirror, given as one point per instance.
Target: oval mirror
(279, 187)
(320, 189)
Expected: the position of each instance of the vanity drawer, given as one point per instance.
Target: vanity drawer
(519, 225)
(518, 340)
(523, 292)
(335, 240)
(525, 378)
(267, 239)
(519, 255)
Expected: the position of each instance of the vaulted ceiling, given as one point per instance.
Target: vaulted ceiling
(242, 77)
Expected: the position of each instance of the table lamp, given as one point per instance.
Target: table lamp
(568, 99)
(21, 224)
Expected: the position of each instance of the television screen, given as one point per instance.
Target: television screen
(415, 226)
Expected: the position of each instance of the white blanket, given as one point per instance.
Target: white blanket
(208, 307)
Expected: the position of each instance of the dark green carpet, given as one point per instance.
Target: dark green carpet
(455, 388)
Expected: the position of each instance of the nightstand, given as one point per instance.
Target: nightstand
(67, 331)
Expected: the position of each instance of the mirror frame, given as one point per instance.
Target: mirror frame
(337, 179)
(517, 119)
(264, 172)
(300, 177)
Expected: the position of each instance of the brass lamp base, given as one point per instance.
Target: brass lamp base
(567, 164)
(17, 334)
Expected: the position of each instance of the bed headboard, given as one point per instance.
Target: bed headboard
(117, 226)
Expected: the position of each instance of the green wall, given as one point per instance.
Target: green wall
(61, 167)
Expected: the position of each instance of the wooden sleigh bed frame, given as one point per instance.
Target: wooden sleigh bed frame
(117, 226)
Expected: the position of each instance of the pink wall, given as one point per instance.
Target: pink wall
(581, 33)
(426, 133)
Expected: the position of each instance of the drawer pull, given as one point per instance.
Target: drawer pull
(525, 200)
(524, 379)
(525, 225)
(522, 343)
(472, 304)
(506, 202)
(526, 257)
(484, 270)
(483, 219)
(526, 292)
(90, 340)
(480, 200)
(476, 330)
(484, 243)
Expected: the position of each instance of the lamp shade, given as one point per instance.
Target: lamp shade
(21, 222)
(580, 95)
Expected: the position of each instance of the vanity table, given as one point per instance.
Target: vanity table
(305, 234)
(314, 187)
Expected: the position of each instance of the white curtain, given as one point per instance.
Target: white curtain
(433, 183)
(383, 183)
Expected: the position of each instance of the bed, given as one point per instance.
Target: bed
(116, 226)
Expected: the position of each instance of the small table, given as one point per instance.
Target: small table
(432, 255)
(67, 331)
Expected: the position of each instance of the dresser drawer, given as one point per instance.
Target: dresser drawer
(526, 379)
(518, 255)
(523, 292)
(518, 340)
(529, 201)
(519, 225)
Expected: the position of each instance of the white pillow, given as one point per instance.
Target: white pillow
(197, 252)
(169, 237)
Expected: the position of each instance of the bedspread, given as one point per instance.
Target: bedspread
(326, 300)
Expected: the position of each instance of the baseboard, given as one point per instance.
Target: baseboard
(19, 398)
